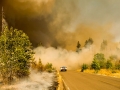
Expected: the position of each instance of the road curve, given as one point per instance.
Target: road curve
(84, 81)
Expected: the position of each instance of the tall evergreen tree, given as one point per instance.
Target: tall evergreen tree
(78, 44)
(78, 47)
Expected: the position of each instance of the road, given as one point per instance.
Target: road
(84, 81)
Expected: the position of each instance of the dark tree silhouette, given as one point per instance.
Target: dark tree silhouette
(78, 45)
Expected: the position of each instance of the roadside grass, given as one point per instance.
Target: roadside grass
(106, 72)
(60, 82)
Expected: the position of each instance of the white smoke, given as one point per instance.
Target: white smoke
(72, 59)
(62, 57)
(37, 81)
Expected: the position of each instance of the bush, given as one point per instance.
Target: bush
(109, 64)
(48, 67)
(84, 67)
(95, 65)
(117, 66)
(40, 66)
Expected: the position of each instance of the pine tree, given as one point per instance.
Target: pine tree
(40, 66)
(78, 47)
(78, 44)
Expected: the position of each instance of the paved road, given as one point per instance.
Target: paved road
(84, 81)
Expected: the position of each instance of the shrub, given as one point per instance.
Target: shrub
(40, 66)
(95, 65)
(117, 66)
(109, 64)
(48, 67)
(84, 67)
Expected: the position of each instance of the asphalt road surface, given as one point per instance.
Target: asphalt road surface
(83, 81)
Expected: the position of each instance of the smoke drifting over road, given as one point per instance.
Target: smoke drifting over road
(36, 81)
(64, 22)
(73, 60)
(62, 57)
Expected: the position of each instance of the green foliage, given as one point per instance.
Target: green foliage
(115, 62)
(48, 67)
(88, 42)
(98, 62)
(84, 67)
(99, 57)
(40, 66)
(33, 64)
(109, 64)
(15, 54)
(117, 66)
(95, 65)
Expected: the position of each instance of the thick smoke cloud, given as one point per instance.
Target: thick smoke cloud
(64, 22)
(62, 57)
(73, 60)
(31, 17)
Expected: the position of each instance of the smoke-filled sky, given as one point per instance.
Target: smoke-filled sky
(64, 22)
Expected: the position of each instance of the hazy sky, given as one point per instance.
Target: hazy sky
(100, 11)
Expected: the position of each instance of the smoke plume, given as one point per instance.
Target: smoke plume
(62, 57)
(64, 22)
(36, 81)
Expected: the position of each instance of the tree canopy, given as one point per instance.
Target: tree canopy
(98, 61)
(15, 54)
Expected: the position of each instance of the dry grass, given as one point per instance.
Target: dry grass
(60, 85)
(112, 73)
